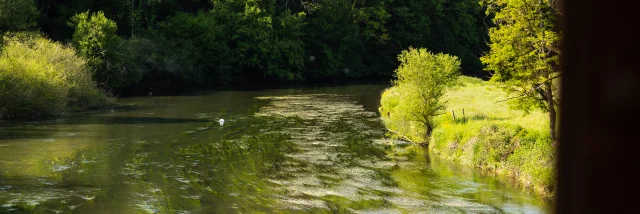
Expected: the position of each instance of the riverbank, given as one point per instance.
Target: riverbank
(487, 134)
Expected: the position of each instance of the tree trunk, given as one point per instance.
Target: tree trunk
(552, 112)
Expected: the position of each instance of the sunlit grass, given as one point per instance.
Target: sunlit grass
(492, 136)
(484, 133)
(484, 102)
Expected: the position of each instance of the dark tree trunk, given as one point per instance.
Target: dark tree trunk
(552, 112)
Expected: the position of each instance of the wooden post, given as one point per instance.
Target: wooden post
(464, 118)
(454, 115)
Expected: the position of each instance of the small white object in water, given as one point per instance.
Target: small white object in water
(88, 198)
(221, 121)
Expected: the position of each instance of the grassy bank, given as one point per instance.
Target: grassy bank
(490, 135)
(39, 77)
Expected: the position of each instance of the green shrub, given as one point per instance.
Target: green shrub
(423, 77)
(41, 77)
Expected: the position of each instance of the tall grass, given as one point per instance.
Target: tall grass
(490, 135)
(40, 77)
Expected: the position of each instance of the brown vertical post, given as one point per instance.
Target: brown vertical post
(464, 118)
(454, 115)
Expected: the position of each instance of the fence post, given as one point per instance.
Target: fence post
(454, 115)
(464, 118)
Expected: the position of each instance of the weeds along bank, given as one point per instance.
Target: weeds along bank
(39, 77)
(489, 135)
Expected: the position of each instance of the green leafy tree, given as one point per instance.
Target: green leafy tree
(93, 35)
(95, 39)
(524, 54)
(265, 41)
(423, 78)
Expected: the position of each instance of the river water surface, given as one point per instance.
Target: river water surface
(314, 150)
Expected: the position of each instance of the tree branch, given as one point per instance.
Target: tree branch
(401, 135)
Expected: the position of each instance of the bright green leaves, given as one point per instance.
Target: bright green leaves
(423, 78)
(525, 55)
(93, 34)
(40, 77)
(524, 49)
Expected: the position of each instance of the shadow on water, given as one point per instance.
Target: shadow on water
(46, 129)
(132, 120)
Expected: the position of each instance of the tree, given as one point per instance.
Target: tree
(95, 39)
(265, 41)
(423, 78)
(524, 54)
(93, 34)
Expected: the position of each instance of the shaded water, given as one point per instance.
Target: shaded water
(279, 151)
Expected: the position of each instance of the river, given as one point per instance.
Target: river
(302, 150)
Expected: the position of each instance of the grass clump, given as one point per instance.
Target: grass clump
(39, 77)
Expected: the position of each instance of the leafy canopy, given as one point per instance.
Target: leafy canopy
(93, 35)
(524, 50)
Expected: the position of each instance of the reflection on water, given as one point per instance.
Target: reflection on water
(295, 150)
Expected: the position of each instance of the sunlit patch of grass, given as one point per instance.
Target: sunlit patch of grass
(492, 136)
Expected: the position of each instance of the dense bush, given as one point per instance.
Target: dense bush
(41, 77)
(423, 77)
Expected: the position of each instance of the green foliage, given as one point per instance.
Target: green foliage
(201, 43)
(266, 40)
(95, 39)
(524, 49)
(41, 77)
(93, 36)
(456, 27)
(423, 78)
(495, 137)
(347, 39)
(17, 15)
